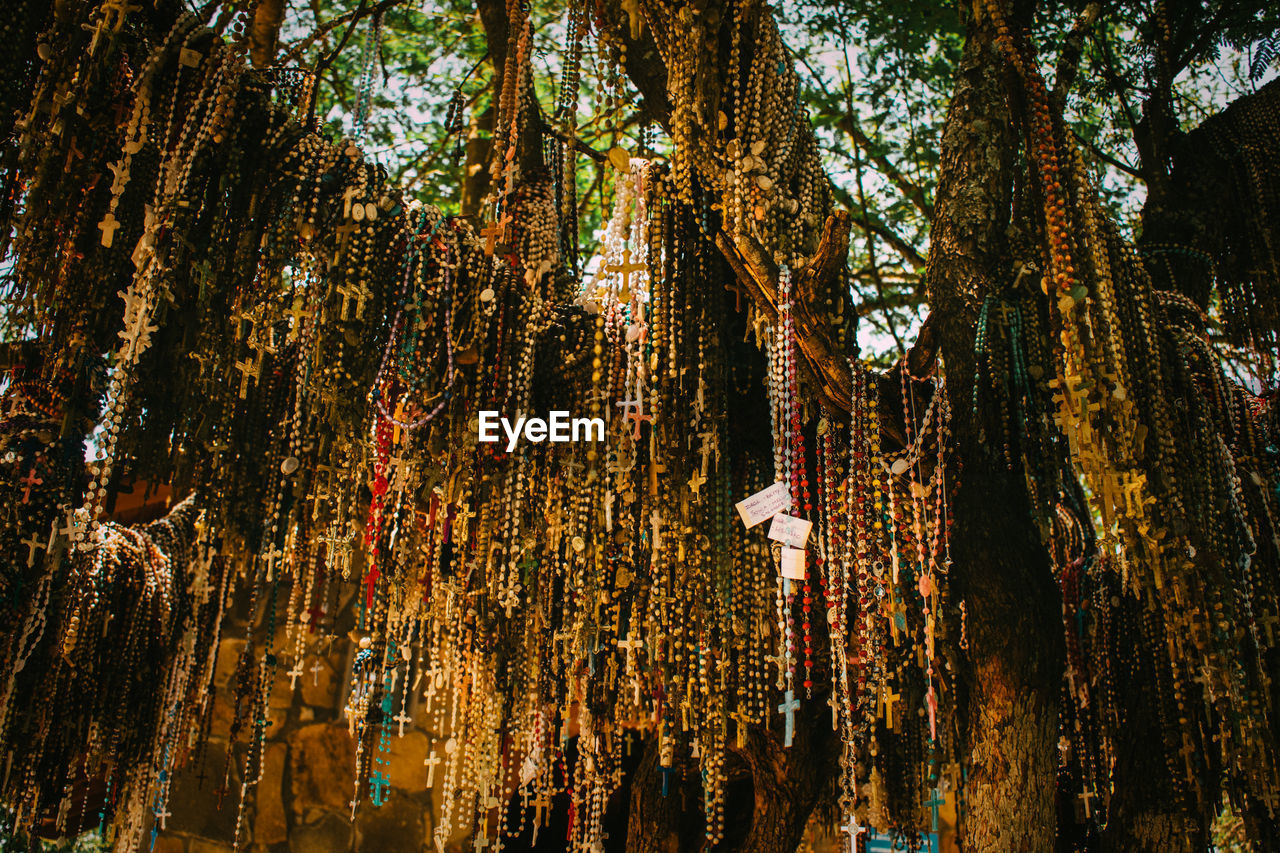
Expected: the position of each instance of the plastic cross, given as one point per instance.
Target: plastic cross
(378, 784)
(789, 706)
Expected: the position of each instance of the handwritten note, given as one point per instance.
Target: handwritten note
(793, 563)
(790, 530)
(764, 504)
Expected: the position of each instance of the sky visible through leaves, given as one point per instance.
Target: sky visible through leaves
(876, 77)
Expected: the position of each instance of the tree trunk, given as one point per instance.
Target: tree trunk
(787, 783)
(653, 822)
(1001, 571)
(770, 794)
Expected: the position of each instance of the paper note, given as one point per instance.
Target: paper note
(790, 530)
(793, 563)
(764, 504)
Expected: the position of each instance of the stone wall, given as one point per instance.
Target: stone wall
(302, 802)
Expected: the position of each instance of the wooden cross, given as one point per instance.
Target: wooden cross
(625, 269)
(1086, 802)
(788, 707)
(96, 29)
(511, 173)
(243, 319)
(1268, 622)
(116, 9)
(889, 699)
(495, 233)
(29, 481)
(108, 227)
(1188, 749)
(736, 289)
(540, 805)
(656, 466)
(348, 196)
(344, 233)
(294, 674)
(73, 154)
(490, 233)
(400, 416)
(33, 544)
(953, 774)
(695, 483)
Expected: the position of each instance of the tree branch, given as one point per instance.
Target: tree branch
(1069, 59)
(873, 224)
(827, 364)
(911, 190)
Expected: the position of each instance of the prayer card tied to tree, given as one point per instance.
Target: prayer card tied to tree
(1020, 581)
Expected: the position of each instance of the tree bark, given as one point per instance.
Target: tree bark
(771, 792)
(653, 821)
(788, 783)
(265, 34)
(1001, 571)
